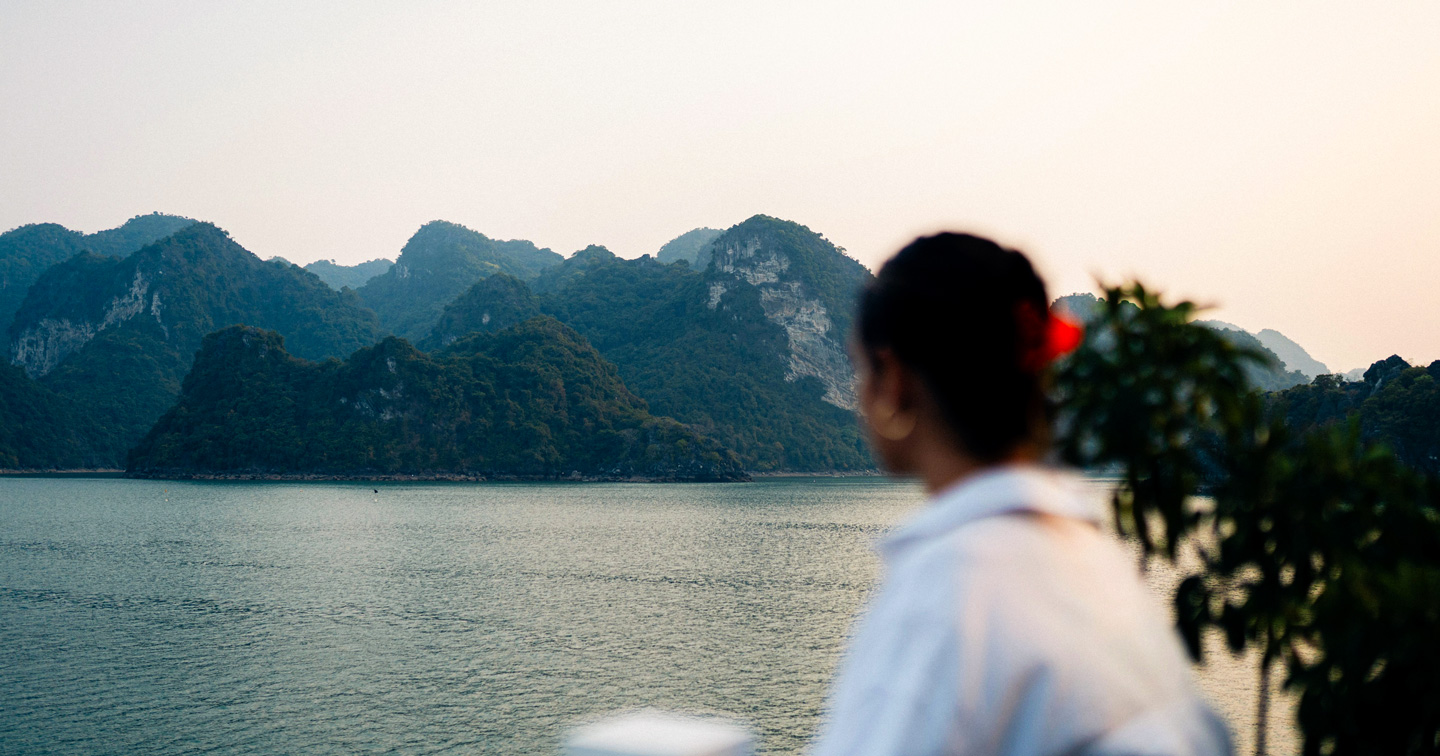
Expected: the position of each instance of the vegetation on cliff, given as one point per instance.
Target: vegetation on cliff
(354, 276)
(691, 246)
(28, 251)
(438, 263)
(496, 302)
(114, 338)
(1396, 404)
(531, 400)
(36, 426)
(716, 363)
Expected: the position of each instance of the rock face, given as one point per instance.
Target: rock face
(700, 346)
(116, 336)
(804, 281)
(27, 252)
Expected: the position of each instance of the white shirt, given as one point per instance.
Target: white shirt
(1008, 623)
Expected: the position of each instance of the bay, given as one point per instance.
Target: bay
(240, 618)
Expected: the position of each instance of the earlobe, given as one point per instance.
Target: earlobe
(897, 426)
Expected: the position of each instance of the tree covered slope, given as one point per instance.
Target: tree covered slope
(438, 263)
(29, 251)
(715, 349)
(691, 246)
(115, 337)
(354, 276)
(531, 400)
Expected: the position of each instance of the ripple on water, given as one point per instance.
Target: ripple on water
(240, 618)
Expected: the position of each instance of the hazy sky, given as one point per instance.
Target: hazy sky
(1280, 159)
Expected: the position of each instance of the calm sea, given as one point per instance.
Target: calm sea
(164, 617)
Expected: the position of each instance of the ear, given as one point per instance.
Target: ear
(890, 406)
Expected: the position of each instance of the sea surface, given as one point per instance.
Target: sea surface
(257, 618)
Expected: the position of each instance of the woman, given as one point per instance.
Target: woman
(1008, 622)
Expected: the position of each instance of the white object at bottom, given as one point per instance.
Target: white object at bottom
(657, 733)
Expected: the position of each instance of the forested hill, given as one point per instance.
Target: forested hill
(745, 350)
(494, 303)
(1276, 375)
(1395, 403)
(691, 246)
(28, 251)
(39, 429)
(531, 400)
(113, 338)
(354, 276)
(438, 263)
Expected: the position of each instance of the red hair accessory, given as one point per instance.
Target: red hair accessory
(1051, 339)
(1061, 338)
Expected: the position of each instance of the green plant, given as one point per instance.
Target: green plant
(1319, 549)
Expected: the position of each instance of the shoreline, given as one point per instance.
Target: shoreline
(417, 478)
(97, 472)
(421, 477)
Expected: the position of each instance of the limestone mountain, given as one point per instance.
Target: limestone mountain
(806, 285)
(354, 276)
(1394, 403)
(438, 263)
(746, 351)
(1275, 376)
(135, 233)
(116, 336)
(691, 246)
(531, 400)
(1292, 354)
(28, 251)
(492, 304)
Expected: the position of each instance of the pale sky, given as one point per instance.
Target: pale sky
(1280, 159)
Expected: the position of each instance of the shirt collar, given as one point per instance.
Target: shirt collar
(996, 491)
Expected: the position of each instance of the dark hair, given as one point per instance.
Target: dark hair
(968, 316)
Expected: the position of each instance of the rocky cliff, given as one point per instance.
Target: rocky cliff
(28, 251)
(115, 336)
(807, 286)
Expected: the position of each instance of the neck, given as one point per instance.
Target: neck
(945, 467)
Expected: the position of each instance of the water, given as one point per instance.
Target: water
(266, 617)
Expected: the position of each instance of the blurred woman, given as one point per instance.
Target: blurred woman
(1007, 621)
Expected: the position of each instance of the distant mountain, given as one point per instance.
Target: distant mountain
(354, 276)
(1293, 355)
(115, 337)
(28, 251)
(531, 400)
(1079, 306)
(749, 351)
(1274, 377)
(496, 302)
(438, 263)
(691, 246)
(135, 233)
